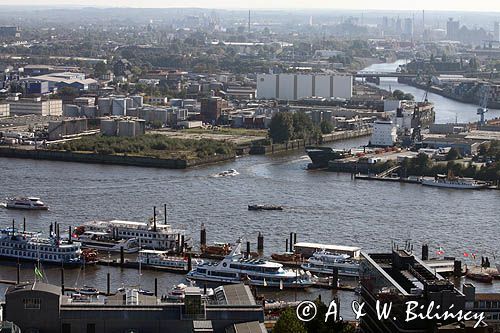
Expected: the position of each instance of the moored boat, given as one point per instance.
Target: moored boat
(480, 277)
(26, 203)
(450, 181)
(234, 268)
(104, 241)
(326, 262)
(264, 207)
(161, 259)
(320, 156)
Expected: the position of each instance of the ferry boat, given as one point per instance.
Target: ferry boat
(29, 203)
(320, 156)
(234, 268)
(324, 262)
(104, 241)
(148, 235)
(29, 246)
(163, 260)
(450, 181)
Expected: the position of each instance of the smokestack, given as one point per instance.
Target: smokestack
(154, 218)
(249, 21)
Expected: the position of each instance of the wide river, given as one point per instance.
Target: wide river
(320, 207)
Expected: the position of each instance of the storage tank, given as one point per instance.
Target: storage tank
(138, 101)
(126, 128)
(89, 111)
(119, 107)
(104, 106)
(108, 127)
(176, 102)
(70, 110)
(140, 127)
(129, 103)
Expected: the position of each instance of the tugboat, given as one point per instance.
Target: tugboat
(264, 207)
(29, 203)
(320, 156)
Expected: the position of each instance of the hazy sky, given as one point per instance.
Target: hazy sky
(467, 5)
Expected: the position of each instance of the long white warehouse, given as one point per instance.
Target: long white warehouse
(296, 86)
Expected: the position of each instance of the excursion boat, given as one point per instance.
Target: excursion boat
(148, 235)
(324, 262)
(104, 241)
(320, 156)
(450, 181)
(234, 268)
(27, 203)
(29, 246)
(161, 259)
(286, 257)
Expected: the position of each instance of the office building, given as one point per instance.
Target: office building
(40, 307)
(408, 28)
(37, 106)
(297, 86)
(211, 109)
(453, 29)
(8, 32)
(496, 31)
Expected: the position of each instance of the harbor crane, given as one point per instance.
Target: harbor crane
(483, 106)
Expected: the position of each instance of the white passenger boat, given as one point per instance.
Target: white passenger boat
(29, 203)
(28, 246)
(162, 259)
(104, 241)
(234, 268)
(325, 262)
(449, 181)
(148, 235)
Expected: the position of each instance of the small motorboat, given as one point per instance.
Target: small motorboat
(26, 203)
(89, 291)
(286, 257)
(227, 173)
(264, 207)
(480, 277)
(145, 292)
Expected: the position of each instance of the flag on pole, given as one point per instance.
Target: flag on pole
(440, 251)
(466, 254)
(38, 273)
(281, 284)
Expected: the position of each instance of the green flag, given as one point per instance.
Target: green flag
(38, 273)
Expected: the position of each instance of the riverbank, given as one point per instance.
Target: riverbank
(88, 157)
(302, 143)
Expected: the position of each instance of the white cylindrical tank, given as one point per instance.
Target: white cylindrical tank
(119, 107)
(140, 127)
(70, 110)
(138, 101)
(104, 106)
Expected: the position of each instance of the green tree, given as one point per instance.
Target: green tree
(326, 127)
(100, 69)
(289, 323)
(453, 154)
(400, 95)
(281, 127)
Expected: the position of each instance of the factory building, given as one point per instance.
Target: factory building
(40, 307)
(37, 106)
(297, 86)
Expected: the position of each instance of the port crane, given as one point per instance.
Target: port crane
(483, 105)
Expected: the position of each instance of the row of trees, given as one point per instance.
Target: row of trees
(286, 126)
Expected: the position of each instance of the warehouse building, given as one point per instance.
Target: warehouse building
(297, 86)
(40, 307)
(36, 106)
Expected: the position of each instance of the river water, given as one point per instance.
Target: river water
(319, 206)
(447, 110)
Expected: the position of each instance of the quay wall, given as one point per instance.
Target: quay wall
(301, 143)
(142, 161)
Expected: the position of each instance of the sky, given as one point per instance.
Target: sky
(451, 5)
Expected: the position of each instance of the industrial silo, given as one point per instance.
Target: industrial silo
(104, 105)
(119, 107)
(126, 128)
(108, 127)
(70, 110)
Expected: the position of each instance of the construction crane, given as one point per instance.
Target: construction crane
(483, 105)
